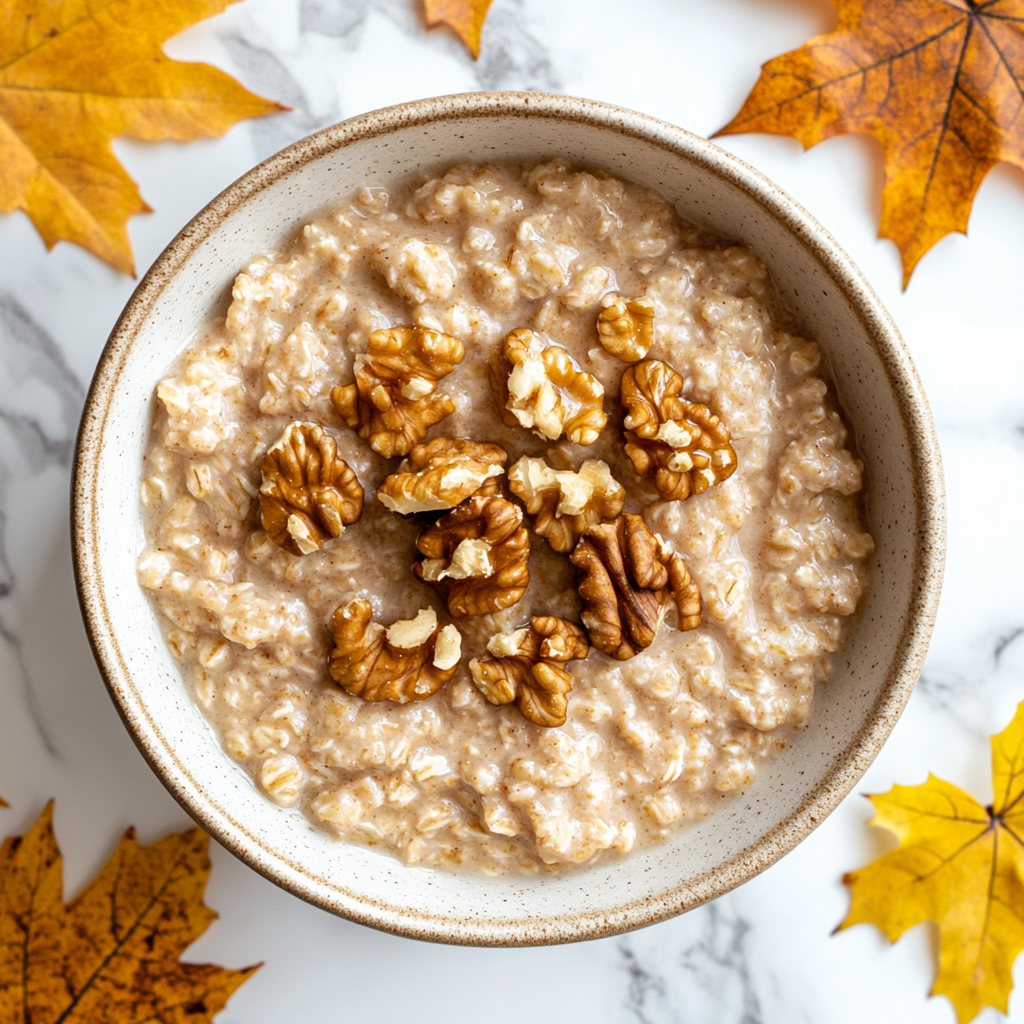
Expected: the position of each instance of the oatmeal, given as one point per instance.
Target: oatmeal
(502, 521)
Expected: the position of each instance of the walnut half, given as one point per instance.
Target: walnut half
(307, 493)
(440, 474)
(542, 388)
(626, 329)
(565, 504)
(626, 578)
(478, 554)
(410, 660)
(392, 403)
(683, 445)
(525, 666)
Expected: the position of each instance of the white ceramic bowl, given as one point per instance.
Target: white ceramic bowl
(874, 672)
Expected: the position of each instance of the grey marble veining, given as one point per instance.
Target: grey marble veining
(271, 77)
(515, 58)
(344, 21)
(40, 397)
(703, 975)
(40, 403)
(761, 955)
(6, 572)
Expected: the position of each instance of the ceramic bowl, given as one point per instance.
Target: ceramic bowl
(853, 714)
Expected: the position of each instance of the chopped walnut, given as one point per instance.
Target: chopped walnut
(392, 403)
(626, 329)
(566, 504)
(308, 493)
(626, 578)
(441, 474)
(542, 388)
(478, 554)
(682, 444)
(410, 660)
(526, 667)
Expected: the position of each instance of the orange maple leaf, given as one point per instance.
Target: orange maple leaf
(465, 17)
(960, 865)
(76, 73)
(939, 83)
(111, 955)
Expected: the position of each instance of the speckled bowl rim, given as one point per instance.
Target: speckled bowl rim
(928, 555)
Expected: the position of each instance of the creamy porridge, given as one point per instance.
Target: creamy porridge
(501, 522)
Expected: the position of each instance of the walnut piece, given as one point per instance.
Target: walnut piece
(526, 667)
(478, 555)
(626, 329)
(392, 403)
(543, 389)
(566, 504)
(410, 660)
(683, 445)
(441, 474)
(626, 578)
(307, 493)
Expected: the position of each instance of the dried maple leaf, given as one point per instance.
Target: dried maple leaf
(960, 865)
(939, 83)
(111, 955)
(72, 76)
(465, 17)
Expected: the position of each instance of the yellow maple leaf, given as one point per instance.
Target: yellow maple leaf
(960, 865)
(465, 17)
(76, 73)
(111, 955)
(939, 83)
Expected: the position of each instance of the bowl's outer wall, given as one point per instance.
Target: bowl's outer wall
(873, 673)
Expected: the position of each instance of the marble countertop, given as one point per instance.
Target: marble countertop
(764, 953)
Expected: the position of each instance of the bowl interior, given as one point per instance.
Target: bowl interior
(853, 713)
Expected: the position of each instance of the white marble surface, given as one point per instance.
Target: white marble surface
(763, 954)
